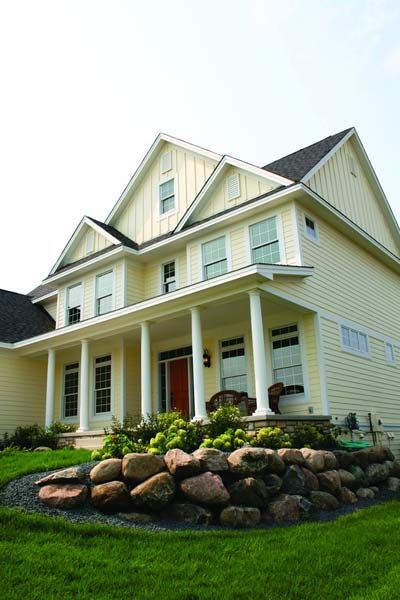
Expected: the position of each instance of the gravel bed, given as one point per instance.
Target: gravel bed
(22, 493)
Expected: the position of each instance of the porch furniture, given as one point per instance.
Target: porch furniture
(231, 397)
(274, 393)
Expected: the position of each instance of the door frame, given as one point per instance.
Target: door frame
(189, 359)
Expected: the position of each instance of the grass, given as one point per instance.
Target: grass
(353, 558)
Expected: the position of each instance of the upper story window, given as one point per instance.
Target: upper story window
(265, 242)
(354, 341)
(104, 293)
(233, 186)
(286, 359)
(389, 351)
(311, 229)
(74, 304)
(169, 277)
(89, 241)
(71, 388)
(167, 196)
(214, 258)
(102, 384)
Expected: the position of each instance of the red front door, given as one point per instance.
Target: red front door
(179, 385)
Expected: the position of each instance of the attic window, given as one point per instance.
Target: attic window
(89, 241)
(233, 186)
(166, 162)
(167, 196)
(352, 165)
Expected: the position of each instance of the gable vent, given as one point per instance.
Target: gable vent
(166, 162)
(233, 186)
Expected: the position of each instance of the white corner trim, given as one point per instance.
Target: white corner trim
(321, 364)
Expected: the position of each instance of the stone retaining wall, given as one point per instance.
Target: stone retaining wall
(241, 489)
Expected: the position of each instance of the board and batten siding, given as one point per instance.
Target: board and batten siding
(141, 219)
(22, 391)
(79, 250)
(352, 194)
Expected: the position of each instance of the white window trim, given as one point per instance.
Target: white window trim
(95, 276)
(64, 419)
(92, 391)
(350, 350)
(279, 233)
(66, 300)
(228, 254)
(391, 363)
(316, 229)
(300, 397)
(174, 210)
(165, 262)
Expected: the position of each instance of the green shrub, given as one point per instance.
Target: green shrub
(58, 427)
(180, 434)
(32, 436)
(228, 440)
(224, 418)
(271, 437)
(142, 429)
(310, 436)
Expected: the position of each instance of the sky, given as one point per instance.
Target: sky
(86, 86)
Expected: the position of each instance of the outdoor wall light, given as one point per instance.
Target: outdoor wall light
(206, 358)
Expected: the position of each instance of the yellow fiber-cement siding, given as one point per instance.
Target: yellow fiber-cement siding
(134, 281)
(250, 186)
(362, 385)
(51, 307)
(347, 281)
(141, 220)
(353, 195)
(22, 391)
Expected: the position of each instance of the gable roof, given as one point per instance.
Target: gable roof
(20, 319)
(41, 291)
(297, 165)
(126, 241)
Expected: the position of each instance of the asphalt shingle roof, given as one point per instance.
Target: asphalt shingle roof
(117, 234)
(41, 290)
(20, 319)
(296, 165)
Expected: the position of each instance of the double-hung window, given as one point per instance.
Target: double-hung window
(104, 293)
(74, 304)
(265, 242)
(214, 258)
(71, 386)
(286, 359)
(167, 196)
(233, 365)
(354, 341)
(102, 384)
(169, 277)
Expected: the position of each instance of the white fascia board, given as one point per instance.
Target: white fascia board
(45, 297)
(6, 346)
(158, 142)
(228, 161)
(89, 263)
(325, 159)
(266, 272)
(101, 231)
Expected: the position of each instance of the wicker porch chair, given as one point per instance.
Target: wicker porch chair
(274, 393)
(224, 397)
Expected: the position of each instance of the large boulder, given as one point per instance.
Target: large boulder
(154, 493)
(395, 468)
(106, 470)
(291, 456)
(365, 493)
(249, 492)
(329, 481)
(330, 459)
(138, 517)
(313, 459)
(377, 473)
(275, 462)
(273, 483)
(392, 484)
(360, 478)
(284, 508)
(186, 512)
(180, 464)
(212, 460)
(248, 462)
(311, 480)
(137, 467)
(346, 496)
(344, 458)
(375, 454)
(305, 506)
(110, 497)
(293, 480)
(206, 488)
(389, 454)
(240, 516)
(323, 501)
(347, 478)
(65, 497)
(70, 475)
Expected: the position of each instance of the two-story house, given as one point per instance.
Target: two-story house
(211, 273)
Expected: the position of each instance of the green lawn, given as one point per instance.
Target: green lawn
(353, 558)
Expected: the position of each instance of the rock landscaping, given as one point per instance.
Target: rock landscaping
(209, 487)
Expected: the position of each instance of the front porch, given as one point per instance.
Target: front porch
(242, 340)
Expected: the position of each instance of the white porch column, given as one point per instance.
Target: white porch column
(50, 386)
(84, 387)
(259, 358)
(200, 412)
(122, 399)
(145, 356)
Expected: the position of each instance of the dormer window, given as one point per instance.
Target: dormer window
(233, 186)
(310, 228)
(74, 304)
(167, 196)
(89, 241)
